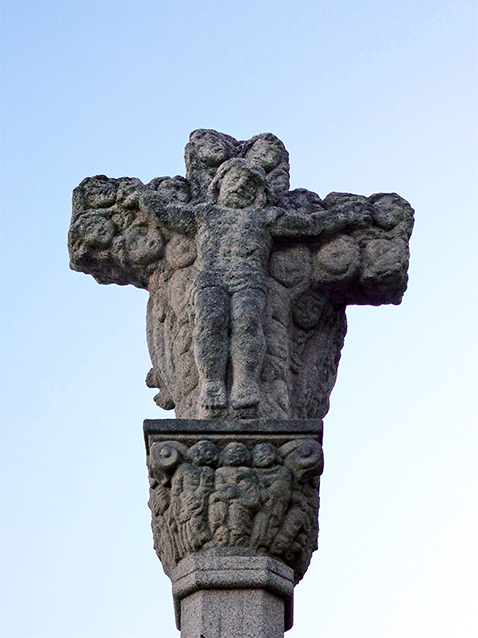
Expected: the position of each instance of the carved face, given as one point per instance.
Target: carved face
(203, 453)
(263, 455)
(100, 192)
(235, 454)
(239, 188)
(144, 243)
(95, 230)
(210, 148)
(265, 153)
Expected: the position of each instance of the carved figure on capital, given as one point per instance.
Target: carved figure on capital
(306, 462)
(191, 486)
(235, 500)
(162, 463)
(260, 500)
(275, 486)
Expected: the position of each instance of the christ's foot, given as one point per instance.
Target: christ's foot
(213, 395)
(245, 394)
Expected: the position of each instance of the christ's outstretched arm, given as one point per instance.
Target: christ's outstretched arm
(176, 216)
(306, 223)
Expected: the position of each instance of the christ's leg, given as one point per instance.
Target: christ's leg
(247, 346)
(211, 345)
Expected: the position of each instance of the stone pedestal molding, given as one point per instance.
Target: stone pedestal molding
(233, 597)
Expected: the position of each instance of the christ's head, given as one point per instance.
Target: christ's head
(238, 184)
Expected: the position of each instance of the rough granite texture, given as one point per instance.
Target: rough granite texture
(248, 280)
(242, 497)
(233, 597)
(232, 613)
(248, 284)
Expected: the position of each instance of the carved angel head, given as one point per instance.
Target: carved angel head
(203, 453)
(235, 454)
(209, 147)
(264, 455)
(265, 150)
(174, 189)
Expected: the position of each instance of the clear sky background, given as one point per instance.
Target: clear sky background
(367, 97)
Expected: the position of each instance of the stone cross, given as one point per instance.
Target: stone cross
(248, 284)
(248, 280)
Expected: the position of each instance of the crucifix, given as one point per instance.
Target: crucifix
(248, 285)
(248, 280)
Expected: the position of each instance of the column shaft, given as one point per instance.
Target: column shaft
(233, 613)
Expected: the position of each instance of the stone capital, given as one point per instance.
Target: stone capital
(234, 506)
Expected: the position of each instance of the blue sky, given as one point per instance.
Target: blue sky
(367, 97)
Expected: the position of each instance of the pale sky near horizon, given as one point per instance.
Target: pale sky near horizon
(367, 96)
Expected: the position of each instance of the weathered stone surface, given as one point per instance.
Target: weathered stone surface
(235, 492)
(232, 613)
(233, 597)
(248, 286)
(248, 280)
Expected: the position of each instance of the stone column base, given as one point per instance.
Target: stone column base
(233, 597)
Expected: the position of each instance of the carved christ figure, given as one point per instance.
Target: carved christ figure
(234, 232)
(248, 280)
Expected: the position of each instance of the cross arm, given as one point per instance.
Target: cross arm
(109, 237)
(358, 246)
(369, 264)
(387, 211)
